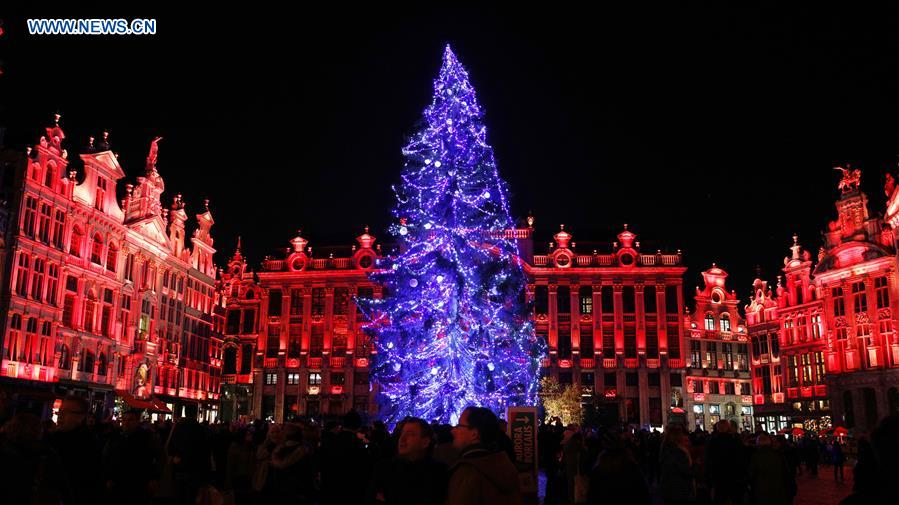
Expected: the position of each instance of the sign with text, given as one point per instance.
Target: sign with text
(523, 432)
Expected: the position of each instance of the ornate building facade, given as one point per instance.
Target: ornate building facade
(718, 376)
(104, 298)
(824, 347)
(612, 322)
(856, 274)
(309, 352)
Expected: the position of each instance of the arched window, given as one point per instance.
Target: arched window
(710, 322)
(235, 289)
(112, 257)
(724, 322)
(76, 242)
(49, 176)
(97, 250)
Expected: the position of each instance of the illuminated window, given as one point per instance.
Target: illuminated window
(724, 322)
(315, 379)
(22, 267)
(293, 379)
(585, 294)
(37, 279)
(76, 242)
(271, 379)
(817, 326)
(318, 301)
(112, 256)
(709, 322)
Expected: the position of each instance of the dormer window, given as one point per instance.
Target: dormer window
(101, 194)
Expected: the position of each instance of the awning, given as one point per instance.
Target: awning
(152, 404)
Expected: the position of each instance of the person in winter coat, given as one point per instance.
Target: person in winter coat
(769, 475)
(616, 478)
(413, 477)
(291, 477)
(676, 471)
(483, 473)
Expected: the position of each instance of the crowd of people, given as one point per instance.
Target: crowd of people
(724, 467)
(80, 461)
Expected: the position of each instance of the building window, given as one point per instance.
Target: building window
(274, 303)
(293, 379)
(817, 326)
(296, 302)
(101, 194)
(695, 354)
(341, 301)
(563, 299)
(30, 216)
(271, 379)
(59, 230)
(724, 322)
(97, 250)
(794, 371)
(628, 299)
(585, 294)
(112, 256)
(729, 388)
(50, 175)
(839, 305)
(819, 367)
(883, 293)
(727, 350)
(37, 279)
(22, 274)
(129, 268)
(45, 224)
(315, 379)
(709, 322)
(318, 301)
(249, 321)
(232, 327)
(859, 297)
(711, 355)
(541, 299)
(649, 299)
(274, 341)
(52, 283)
(317, 341)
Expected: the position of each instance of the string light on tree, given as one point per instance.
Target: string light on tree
(454, 330)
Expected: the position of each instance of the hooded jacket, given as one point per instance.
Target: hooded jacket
(483, 477)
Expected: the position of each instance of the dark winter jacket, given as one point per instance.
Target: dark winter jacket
(402, 482)
(769, 478)
(617, 480)
(676, 476)
(483, 477)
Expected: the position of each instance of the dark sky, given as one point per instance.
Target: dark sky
(710, 131)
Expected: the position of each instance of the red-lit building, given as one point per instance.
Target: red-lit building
(787, 331)
(856, 274)
(613, 323)
(718, 377)
(103, 297)
(310, 354)
(824, 346)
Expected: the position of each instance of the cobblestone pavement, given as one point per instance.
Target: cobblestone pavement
(823, 489)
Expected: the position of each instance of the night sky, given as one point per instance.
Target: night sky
(714, 132)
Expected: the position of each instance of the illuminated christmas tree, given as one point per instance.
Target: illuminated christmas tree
(453, 329)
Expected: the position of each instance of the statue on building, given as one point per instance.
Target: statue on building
(851, 179)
